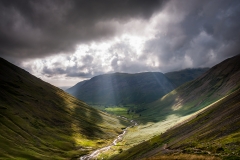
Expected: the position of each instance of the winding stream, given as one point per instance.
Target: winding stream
(101, 150)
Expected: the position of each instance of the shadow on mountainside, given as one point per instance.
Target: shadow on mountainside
(40, 121)
(216, 83)
(214, 132)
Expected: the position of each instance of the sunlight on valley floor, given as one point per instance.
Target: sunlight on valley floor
(144, 132)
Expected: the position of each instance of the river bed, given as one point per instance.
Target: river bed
(95, 153)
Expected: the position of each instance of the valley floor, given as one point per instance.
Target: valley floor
(145, 132)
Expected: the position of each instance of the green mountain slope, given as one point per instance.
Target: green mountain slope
(216, 83)
(213, 132)
(122, 88)
(177, 78)
(177, 106)
(40, 121)
(221, 81)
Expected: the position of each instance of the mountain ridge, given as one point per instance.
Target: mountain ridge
(41, 121)
(123, 88)
(177, 78)
(214, 131)
(126, 88)
(218, 81)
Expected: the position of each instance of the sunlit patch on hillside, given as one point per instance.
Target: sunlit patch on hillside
(146, 131)
(172, 117)
(83, 142)
(178, 104)
(169, 95)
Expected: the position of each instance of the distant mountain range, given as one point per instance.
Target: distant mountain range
(124, 88)
(40, 121)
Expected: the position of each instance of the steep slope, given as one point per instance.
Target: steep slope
(177, 78)
(217, 82)
(157, 117)
(214, 131)
(40, 121)
(122, 88)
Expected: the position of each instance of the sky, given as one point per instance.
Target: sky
(67, 41)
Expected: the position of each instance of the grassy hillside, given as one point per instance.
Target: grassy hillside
(180, 104)
(122, 88)
(135, 89)
(177, 78)
(213, 133)
(216, 83)
(40, 121)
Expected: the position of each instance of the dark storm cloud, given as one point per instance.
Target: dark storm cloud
(187, 33)
(33, 28)
(207, 32)
(73, 71)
